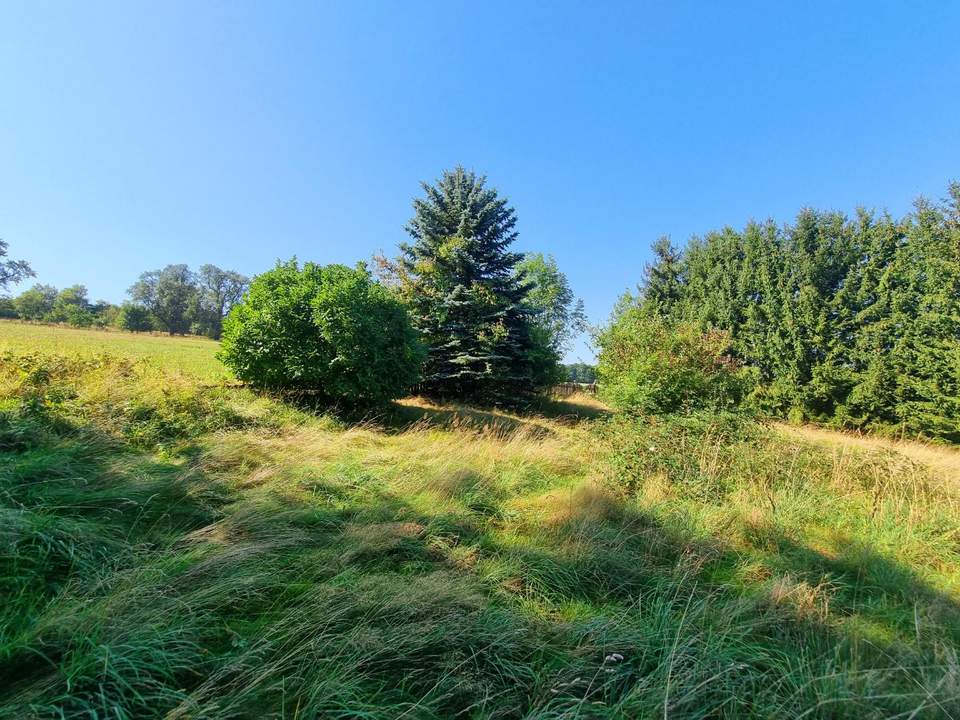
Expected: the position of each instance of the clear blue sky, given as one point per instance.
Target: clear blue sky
(133, 135)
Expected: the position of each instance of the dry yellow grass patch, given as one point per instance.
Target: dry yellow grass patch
(657, 489)
(942, 461)
(588, 502)
(806, 601)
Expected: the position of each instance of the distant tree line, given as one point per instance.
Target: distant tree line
(852, 321)
(580, 372)
(71, 305)
(173, 300)
(180, 301)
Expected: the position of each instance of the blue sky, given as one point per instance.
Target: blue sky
(133, 135)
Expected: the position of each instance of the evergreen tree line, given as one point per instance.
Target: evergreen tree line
(173, 300)
(852, 321)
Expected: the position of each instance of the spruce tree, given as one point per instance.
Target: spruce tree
(467, 301)
(926, 306)
(820, 253)
(863, 334)
(662, 285)
(850, 321)
(760, 340)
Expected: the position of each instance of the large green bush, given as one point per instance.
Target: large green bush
(329, 331)
(647, 365)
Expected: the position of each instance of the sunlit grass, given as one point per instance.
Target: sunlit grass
(190, 355)
(942, 459)
(183, 549)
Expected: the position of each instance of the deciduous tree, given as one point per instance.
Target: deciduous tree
(36, 302)
(219, 291)
(12, 271)
(169, 294)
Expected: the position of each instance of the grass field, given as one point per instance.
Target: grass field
(193, 356)
(942, 460)
(172, 547)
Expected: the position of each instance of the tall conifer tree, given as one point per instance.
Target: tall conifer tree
(662, 279)
(458, 277)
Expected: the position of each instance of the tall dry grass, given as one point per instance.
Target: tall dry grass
(176, 550)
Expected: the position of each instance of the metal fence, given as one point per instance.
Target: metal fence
(569, 388)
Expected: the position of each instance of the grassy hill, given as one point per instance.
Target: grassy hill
(172, 546)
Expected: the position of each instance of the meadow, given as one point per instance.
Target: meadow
(191, 355)
(173, 545)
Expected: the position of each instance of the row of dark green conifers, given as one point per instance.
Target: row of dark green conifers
(854, 321)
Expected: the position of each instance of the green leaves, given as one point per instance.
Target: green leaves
(855, 322)
(650, 366)
(12, 271)
(329, 331)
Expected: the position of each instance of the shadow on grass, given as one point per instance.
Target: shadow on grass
(501, 421)
(572, 409)
(417, 412)
(805, 629)
(399, 416)
(78, 510)
(859, 634)
(862, 582)
(527, 418)
(357, 603)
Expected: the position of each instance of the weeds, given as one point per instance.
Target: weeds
(174, 550)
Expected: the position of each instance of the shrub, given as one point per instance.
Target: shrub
(328, 331)
(650, 366)
(78, 316)
(673, 449)
(135, 318)
(108, 395)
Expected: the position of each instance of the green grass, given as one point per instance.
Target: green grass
(192, 355)
(171, 548)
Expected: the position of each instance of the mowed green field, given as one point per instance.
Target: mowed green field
(173, 546)
(195, 356)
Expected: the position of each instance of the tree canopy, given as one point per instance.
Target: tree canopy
(852, 321)
(558, 311)
(169, 294)
(181, 301)
(218, 291)
(12, 271)
(35, 303)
